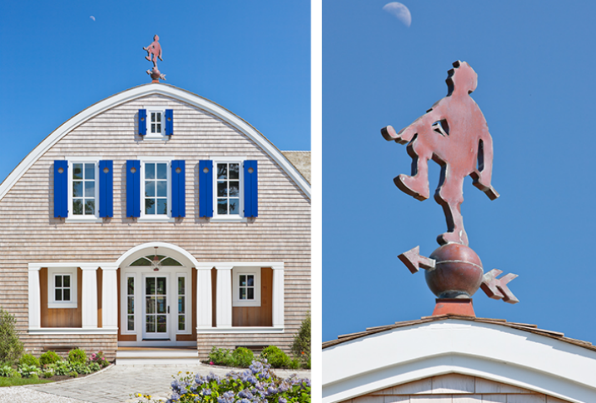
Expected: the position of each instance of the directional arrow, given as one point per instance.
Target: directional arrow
(496, 288)
(414, 261)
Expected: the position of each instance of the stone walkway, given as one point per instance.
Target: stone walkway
(116, 384)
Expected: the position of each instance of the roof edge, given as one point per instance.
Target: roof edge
(428, 319)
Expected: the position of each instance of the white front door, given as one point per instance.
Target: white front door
(156, 307)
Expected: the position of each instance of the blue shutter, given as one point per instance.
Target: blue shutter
(251, 191)
(178, 194)
(106, 189)
(169, 122)
(206, 188)
(133, 188)
(60, 188)
(142, 122)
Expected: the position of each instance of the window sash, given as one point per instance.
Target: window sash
(228, 188)
(83, 189)
(156, 189)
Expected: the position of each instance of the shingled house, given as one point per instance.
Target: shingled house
(156, 217)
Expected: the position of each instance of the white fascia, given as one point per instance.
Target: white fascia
(498, 353)
(150, 89)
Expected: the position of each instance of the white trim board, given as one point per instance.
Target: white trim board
(498, 353)
(142, 91)
(72, 330)
(239, 329)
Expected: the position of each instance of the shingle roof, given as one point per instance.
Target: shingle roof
(428, 319)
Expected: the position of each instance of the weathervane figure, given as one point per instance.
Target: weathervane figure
(154, 52)
(455, 135)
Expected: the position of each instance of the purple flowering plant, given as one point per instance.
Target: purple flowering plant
(254, 385)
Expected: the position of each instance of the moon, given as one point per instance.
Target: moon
(400, 12)
(92, 17)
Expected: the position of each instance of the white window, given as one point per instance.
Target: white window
(183, 295)
(246, 286)
(156, 123)
(130, 303)
(228, 188)
(62, 287)
(155, 189)
(83, 189)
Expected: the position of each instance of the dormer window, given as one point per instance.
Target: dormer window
(156, 123)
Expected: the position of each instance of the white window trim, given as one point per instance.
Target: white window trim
(236, 272)
(52, 272)
(187, 304)
(156, 136)
(228, 217)
(156, 217)
(83, 218)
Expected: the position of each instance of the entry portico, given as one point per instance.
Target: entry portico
(148, 297)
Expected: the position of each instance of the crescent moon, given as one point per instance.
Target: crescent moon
(400, 12)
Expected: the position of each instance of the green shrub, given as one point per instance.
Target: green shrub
(48, 373)
(220, 356)
(275, 357)
(34, 375)
(49, 357)
(82, 369)
(6, 371)
(11, 347)
(243, 357)
(27, 371)
(61, 368)
(29, 360)
(301, 346)
(73, 374)
(77, 356)
(294, 363)
(94, 367)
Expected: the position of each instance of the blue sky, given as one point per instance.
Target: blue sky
(253, 58)
(536, 87)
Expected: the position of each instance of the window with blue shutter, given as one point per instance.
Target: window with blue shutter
(106, 189)
(178, 189)
(133, 188)
(169, 122)
(251, 193)
(60, 189)
(142, 122)
(206, 188)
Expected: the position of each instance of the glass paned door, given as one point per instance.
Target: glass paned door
(156, 307)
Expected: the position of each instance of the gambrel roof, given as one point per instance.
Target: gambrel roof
(156, 89)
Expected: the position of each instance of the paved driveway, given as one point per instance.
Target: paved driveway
(115, 384)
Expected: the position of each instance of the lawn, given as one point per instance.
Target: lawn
(20, 381)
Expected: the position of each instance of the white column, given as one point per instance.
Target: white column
(89, 296)
(34, 299)
(109, 298)
(278, 296)
(224, 296)
(204, 299)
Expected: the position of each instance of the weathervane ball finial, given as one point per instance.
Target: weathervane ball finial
(153, 53)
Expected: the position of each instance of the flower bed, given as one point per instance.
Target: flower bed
(257, 384)
(53, 368)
